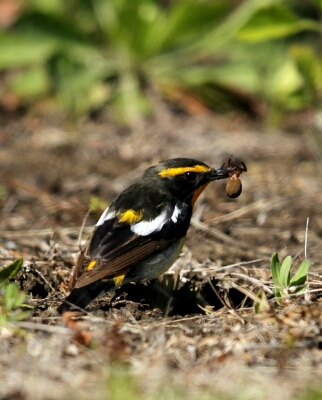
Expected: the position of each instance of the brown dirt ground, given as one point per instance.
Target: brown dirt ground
(208, 337)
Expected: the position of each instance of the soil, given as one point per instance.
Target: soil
(198, 320)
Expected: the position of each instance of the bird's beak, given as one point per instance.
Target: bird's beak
(221, 173)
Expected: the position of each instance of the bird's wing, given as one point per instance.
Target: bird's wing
(112, 248)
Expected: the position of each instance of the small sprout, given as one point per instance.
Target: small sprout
(97, 205)
(10, 304)
(11, 298)
(262, 305)
(284, 284)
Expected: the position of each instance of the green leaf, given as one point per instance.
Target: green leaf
(11, 296)
(278, 294)
(10, 271)
(275, 269)
(79, 88)
(49, 6)
(300, 289)
(31, 83)
(310, 67)
(285, 276)
(286, 80)
(183, 22)
(271, 22)
(18, 50)
(300, 276)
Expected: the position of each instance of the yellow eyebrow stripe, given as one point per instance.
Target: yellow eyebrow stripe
(131, 216)
(181, 170)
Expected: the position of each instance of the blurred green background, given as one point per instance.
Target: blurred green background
(263, 57)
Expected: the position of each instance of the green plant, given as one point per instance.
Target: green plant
(90, 53)
(10, 304)
(262, 305)
(284, 284)
(97, 205)
(11, 298)
(10, 271)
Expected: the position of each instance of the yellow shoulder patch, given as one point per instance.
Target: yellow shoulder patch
(131, 216)
(119, 278)
(91, 265)
(181, 170)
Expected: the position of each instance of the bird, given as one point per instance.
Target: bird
(142, 232)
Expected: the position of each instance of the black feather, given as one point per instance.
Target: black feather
(81, 297)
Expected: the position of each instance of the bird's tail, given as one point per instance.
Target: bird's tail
(80, 298)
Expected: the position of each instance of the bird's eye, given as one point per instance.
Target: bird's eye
(190, 176)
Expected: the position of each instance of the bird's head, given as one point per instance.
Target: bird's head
(184, 178)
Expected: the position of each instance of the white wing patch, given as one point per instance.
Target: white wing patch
(105, 216)
(145, 228)
(175, 214)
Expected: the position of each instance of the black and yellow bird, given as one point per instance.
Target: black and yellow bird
(141, 233)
